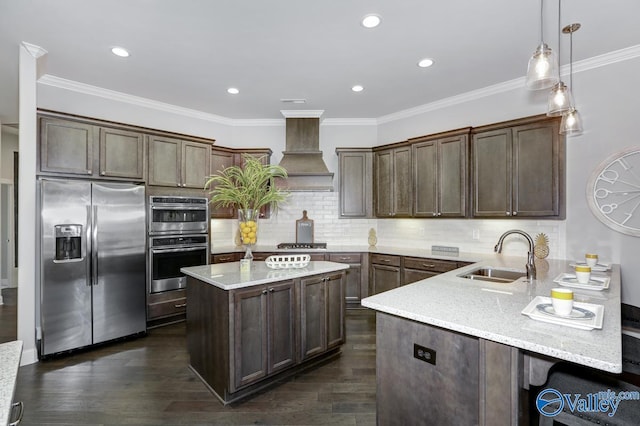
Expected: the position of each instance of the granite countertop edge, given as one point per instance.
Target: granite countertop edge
(9, 363)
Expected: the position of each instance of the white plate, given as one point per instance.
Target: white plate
(583, 323)
(575, 314)
(600, 267)
(596, 283)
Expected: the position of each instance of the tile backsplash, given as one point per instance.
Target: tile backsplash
(469, 235)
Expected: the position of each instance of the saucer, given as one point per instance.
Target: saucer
(576, 313)
(597, 283)
(585, 316)
(600, 267)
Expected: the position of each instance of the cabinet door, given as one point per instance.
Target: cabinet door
(220, 160)
(249, 335)
(384, 278)
(335, 310)
(121, 154)
(66, 147)
(452, 176)
(355, 184)
(384, 183)
(353, 292)
(195, 164)
(492, 173)
(425, 172)
(164, 161)
(312, 316)
(402, 188)
(535, 169)
(281, 313)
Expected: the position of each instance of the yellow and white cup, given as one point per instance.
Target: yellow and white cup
(591, 259)
(562, 300)
(583, 274)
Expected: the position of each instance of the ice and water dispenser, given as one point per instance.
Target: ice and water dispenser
(68, 242)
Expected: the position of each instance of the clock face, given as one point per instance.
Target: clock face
(613, 192)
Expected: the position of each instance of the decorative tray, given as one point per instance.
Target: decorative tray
(585, 316)
(600, 267)
(283, 261)
(597, 283)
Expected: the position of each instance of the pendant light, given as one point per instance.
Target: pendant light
(571, 123)
(543, 65)
(560, 99)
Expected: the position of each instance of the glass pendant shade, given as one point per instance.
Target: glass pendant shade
(571, 123)
(560, 100)
(542, 72)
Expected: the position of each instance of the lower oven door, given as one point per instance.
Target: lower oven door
(165, 264)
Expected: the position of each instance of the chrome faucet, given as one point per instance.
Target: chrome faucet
(531, 266)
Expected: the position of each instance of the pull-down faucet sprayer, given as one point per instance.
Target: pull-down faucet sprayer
(531, 266)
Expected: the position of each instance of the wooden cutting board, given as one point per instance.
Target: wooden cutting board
(304, 229)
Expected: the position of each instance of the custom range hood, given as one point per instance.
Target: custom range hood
(303, 158)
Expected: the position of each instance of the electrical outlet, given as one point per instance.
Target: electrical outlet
(475, 234)
(424, 354)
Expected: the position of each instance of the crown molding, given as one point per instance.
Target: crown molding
(88, 89)
(609, 58)
(34, 50)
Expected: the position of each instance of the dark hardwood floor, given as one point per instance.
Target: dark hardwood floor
(146, 381)
(9, 315)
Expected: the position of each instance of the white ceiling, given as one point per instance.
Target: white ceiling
(188, 52)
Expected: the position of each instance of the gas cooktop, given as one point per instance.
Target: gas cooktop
(302, 245)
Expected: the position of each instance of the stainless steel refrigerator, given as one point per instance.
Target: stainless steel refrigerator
(92, 263)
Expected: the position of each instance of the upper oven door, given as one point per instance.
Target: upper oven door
(178, 219)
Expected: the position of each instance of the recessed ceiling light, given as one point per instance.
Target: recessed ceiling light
(120, 51)
(425, 63)
(233, 90)
(371, 21)
(357, 88)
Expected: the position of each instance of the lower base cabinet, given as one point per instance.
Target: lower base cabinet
(429, 375)
(166, 307)
(385, 273)
(242, 340)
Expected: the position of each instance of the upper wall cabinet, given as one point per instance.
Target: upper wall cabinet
(518, 169)
(178, 163)
(355, 182)
(440, 174)
(69, 147)
(220, 160)
(392, 193)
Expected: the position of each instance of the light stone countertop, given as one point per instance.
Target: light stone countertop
(9, 363)
(493, 311)
(228, 276)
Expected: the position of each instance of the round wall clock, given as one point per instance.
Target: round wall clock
(613, 191)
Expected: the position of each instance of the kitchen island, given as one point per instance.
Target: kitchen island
(247, 329)
(451, 346)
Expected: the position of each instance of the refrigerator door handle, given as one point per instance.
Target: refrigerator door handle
(87, 247)
(94, 245)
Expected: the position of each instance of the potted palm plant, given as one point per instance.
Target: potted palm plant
(248, 189)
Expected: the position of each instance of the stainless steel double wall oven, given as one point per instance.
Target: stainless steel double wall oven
(178, 237)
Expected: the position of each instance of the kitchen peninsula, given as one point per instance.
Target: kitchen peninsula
(247, 329)
(450, 346)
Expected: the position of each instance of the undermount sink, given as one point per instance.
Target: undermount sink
(487, 273)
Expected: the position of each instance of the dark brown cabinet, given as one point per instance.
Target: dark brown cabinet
(166, 307)
(220, 160)
(518, 169)
(440, 175)
(385, 273)
(355, 184)
(264, 155)
(357, 276)
(392, 183)
(263, 331)
(82, 149)
(418, 268)
(178, 163)
(322, 307)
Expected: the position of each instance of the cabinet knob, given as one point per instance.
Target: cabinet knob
(439, 214)
(434, 214)
(508, 213)
(271, 290)
(515, 213)
(89, 172)
(264, 291)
